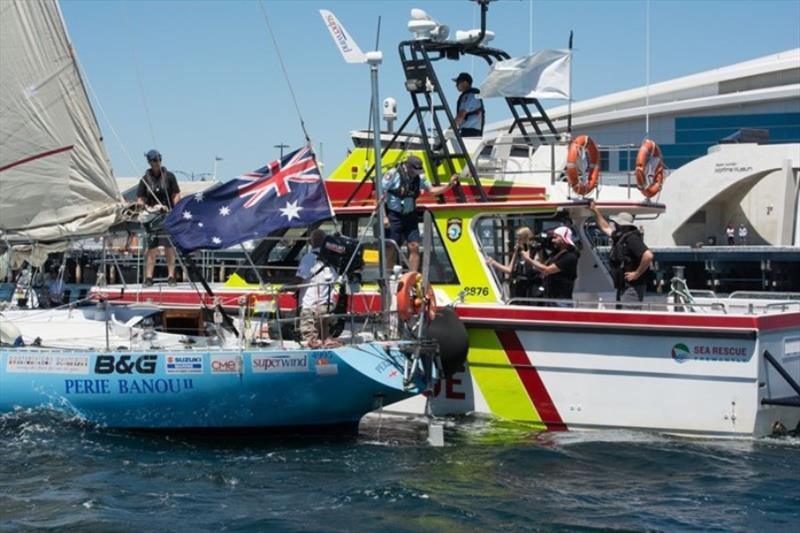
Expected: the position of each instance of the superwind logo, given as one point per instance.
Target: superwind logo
(680, 352)
(338, 33)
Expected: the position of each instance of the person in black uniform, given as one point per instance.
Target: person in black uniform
(630, 257)
(524, 279)
(560, 269)
(158, 188)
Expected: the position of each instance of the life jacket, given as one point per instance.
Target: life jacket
(621, 258)
(474, 112)
(408, 187)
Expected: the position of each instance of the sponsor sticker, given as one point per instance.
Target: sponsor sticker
(278, 364)
(224, 364)
(323, 365)
(184, 364)
(47, 363)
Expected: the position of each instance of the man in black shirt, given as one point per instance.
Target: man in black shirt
(630, 256)
(561, 269)
(158, 188)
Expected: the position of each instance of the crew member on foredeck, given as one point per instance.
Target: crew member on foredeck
(470, 114)
(158, 188)
(403, 185)
(630, 256)
(560, 269)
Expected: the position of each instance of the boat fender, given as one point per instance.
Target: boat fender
(409, 297)
(451, 335)
(583, 151)
(649, 169)
(10, 334)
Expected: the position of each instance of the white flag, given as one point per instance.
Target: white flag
(543, 75)
(347, 46)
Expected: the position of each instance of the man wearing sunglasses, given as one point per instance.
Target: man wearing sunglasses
(158, 190)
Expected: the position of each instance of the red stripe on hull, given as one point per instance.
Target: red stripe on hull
(531, 380)
(509, 315)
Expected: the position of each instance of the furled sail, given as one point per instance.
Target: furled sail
(55, 179)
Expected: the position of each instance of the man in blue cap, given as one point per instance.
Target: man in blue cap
(469, 108)
(158, 188)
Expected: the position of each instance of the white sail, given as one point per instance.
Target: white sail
(55, 179)
(544, 75)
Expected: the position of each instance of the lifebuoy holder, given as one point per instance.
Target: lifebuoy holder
(649, 169)
(583, 165)
(412, 299)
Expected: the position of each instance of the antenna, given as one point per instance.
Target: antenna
(353, 54)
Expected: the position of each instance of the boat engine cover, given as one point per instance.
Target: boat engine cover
(451, 335)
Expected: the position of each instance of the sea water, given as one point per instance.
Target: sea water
(59, 473)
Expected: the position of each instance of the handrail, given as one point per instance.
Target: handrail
(614, 305)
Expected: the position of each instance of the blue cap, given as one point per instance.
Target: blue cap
(153, 154)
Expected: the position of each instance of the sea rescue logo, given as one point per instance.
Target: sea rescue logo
(680, 352)
(454, 229)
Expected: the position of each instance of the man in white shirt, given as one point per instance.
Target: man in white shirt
(742, 234)
(315, 297)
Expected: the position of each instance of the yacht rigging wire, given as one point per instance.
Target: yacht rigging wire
(285, 73)
(138, 72)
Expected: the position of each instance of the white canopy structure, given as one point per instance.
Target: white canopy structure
(55, 179)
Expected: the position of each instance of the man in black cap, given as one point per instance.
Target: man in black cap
(630, 256)
(469, 108)
(403, 185)
(158, 188)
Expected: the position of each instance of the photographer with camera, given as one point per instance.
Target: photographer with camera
(560, 269)
(524, 279)
(630, 256)
(315, 298)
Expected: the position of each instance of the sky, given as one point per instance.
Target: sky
(201, 79)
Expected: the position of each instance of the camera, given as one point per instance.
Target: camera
(543, 241)
(343, 254)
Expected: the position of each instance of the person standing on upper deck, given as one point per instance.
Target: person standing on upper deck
(403, 185)
(630, 256)
(470, 114)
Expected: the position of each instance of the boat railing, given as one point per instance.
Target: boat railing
(717, 307)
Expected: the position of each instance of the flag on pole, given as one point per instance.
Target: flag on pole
(287, 193)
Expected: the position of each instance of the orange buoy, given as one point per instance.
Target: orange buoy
(649, 169)
(410, 300)
(583, 165)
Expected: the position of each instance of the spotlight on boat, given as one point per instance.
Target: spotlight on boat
(425, 27)
(472, 36)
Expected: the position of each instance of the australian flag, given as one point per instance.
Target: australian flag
(283, 194)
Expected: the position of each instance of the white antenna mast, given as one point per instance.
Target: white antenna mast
(353, 54)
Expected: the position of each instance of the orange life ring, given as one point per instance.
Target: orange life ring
(584, 150)
(410, 300)
(649, 169)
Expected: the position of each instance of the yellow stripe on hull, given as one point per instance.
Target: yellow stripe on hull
(498, 381)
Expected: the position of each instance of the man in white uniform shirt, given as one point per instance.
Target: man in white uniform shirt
(315, 299)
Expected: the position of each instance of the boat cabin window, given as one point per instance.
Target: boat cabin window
(497, 233)
(441, 267)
